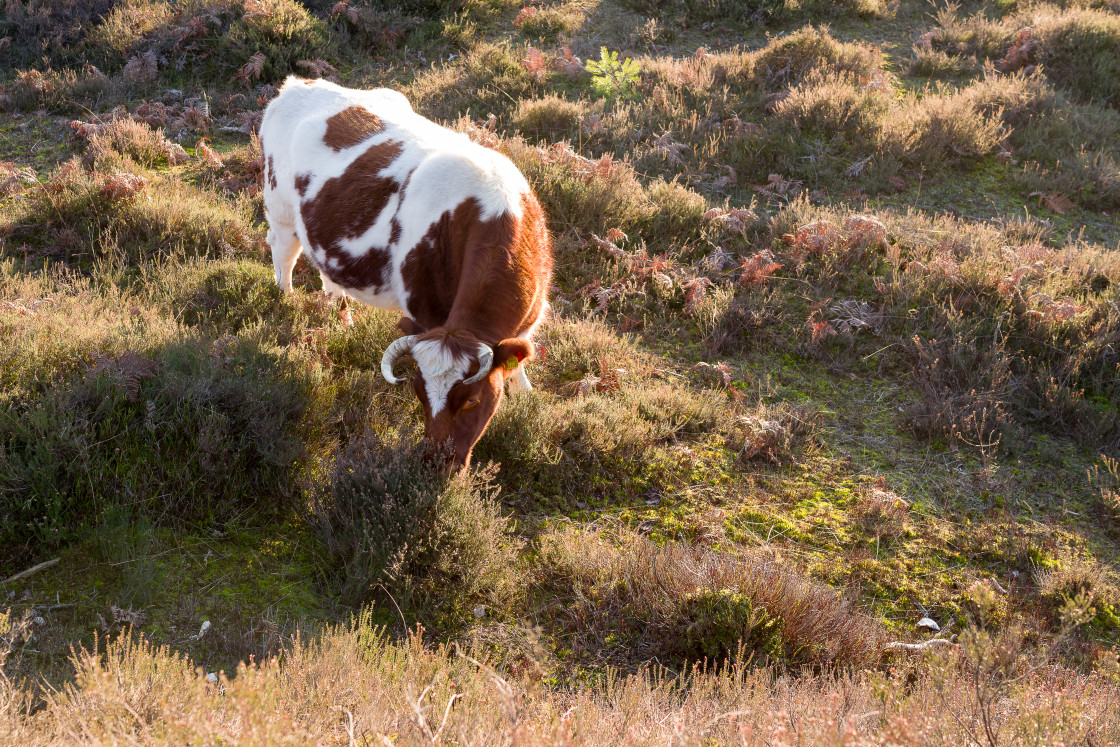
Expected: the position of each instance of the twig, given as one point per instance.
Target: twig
(899, 646)
(349, 725)
(55, 607)
(31, 570)
(446, 713)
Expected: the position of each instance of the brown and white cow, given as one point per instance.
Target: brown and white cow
(401, 213)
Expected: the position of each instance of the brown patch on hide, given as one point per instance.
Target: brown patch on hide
(350, 127)
(488, 276)
(302, 182)
(345, 208)
(271, 174)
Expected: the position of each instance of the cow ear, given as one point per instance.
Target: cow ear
(410, 327)
(511, 353)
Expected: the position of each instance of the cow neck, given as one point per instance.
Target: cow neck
(503, 284)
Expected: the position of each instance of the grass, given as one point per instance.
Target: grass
(832, 350)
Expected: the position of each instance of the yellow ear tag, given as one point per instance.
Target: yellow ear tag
(511, 363)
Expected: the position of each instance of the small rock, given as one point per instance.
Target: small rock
(647, 526)
(201, 631)
(480, 611)
(929, 624)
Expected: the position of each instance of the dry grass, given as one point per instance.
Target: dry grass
(350, 683)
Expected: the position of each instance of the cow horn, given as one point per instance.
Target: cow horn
(396, 349)
(485, 361)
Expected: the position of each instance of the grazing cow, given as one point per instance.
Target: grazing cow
(398, 212)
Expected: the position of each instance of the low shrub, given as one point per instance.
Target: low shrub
(396, 526)
(550, 118)
(690, 603)
(788, 60)
(174, 432)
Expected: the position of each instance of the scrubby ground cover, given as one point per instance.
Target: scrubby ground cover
(834, 349)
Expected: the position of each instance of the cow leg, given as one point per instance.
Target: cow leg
(335, 291)
(285, 251)
(519, 382)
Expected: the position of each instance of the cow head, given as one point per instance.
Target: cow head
(459, 382)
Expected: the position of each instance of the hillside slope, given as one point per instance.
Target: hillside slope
(834, 349)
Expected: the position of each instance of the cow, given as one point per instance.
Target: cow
(401, 213)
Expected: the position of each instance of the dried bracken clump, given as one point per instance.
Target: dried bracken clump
(880, 510)
(774, 433)
(667, 148)
(588, 168)
(695, 292)
(942, 266)
(252, 69)
(195, 118)
(569, 64)
(757, 269)
(14, 179)
(819, 330)
(779, 188)
(527, 13)
(720, 373)
(1023, 54)
(317, 68)
(853, 315)
(28, 310)
(865, 231)
(127, 370)
(818, 237)
(824, 238)
(608, 380)
(121, 186)
(121, 617)
(1056, 201)
(536, 65)
(141, 68)
(734, 220)
(207, 155)
(738, 127)
(1055, 309)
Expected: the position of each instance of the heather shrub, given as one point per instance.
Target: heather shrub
(785, 61)
(547, 23)
(41, 26)
(753, 11)
(123, 216)
(56, 90)
(126, 137)
(395, 525)
(935, 63)
(831, 105)
(178, 433)
(1081, 52)
(580, 193)
(550, 118)
(490, 79)
(124, 27)
(692, 603)
(943, 129)
(1073, 577)
(1077, 48)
